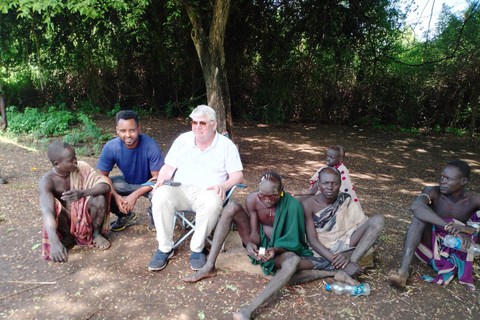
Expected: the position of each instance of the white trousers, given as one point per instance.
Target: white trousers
(207, 205)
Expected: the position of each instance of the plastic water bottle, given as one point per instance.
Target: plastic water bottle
(344, 288)
(456, 243)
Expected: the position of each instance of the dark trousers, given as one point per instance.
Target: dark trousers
(124, 189)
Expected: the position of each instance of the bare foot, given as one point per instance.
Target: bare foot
(201, 274)
(342, 276)
(397, 278)
(101, 243)
(240, 316)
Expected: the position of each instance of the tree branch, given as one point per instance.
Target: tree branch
(452, 55)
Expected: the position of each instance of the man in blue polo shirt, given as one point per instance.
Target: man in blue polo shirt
(139, 159)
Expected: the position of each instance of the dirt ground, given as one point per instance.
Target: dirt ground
(388, 170)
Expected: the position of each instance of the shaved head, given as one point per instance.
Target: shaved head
(55, 150)
(330, 170)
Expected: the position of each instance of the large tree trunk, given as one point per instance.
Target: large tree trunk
(210, 49)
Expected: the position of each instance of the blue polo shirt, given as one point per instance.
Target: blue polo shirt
(135, 164)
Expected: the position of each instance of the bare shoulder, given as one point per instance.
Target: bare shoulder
(46, 184)
(474, 197)
(308, 204)
(433, 192)
(251, 196)
(251, 199)
(47, 180)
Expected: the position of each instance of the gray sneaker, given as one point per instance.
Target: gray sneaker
(197, 260)
(123, 222)
(159, 260)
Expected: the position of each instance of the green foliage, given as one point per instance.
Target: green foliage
(115, 109)
(46, 122)
(317, 61)
(456, 131)
(172, 109)
(53, 122)
(88, 132)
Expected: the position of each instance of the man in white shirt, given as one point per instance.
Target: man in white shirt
(207, 165)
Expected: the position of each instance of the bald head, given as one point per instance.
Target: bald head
(329, 170)
(55, 150)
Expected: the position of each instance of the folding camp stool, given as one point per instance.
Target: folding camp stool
(186, 223)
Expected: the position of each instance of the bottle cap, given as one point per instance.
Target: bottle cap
(327, 287)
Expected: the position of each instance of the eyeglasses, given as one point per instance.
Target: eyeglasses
(200, 123)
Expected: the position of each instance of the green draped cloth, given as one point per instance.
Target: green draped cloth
(288, 231)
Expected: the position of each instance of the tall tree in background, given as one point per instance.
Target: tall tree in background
(460, 42)
(209, 22)
(304, 60)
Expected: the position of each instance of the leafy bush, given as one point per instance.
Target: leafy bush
(47, 122)
(456, 131)
(41, 124)
(89, 132)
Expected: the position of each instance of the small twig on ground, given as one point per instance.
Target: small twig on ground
(92, 314)
(453, 294)
(34, 287)
(12, 294)
(30, 282)
(405, 301)
(144, 268)
(389, 301)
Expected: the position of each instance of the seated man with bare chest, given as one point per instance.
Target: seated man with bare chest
(74, 200)
(337, 228)
(437, 212)
(273, 232)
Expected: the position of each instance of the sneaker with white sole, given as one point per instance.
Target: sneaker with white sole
(123, 222)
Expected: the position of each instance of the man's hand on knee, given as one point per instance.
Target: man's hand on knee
(72, 195)
(129, 202)
(218, 190)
